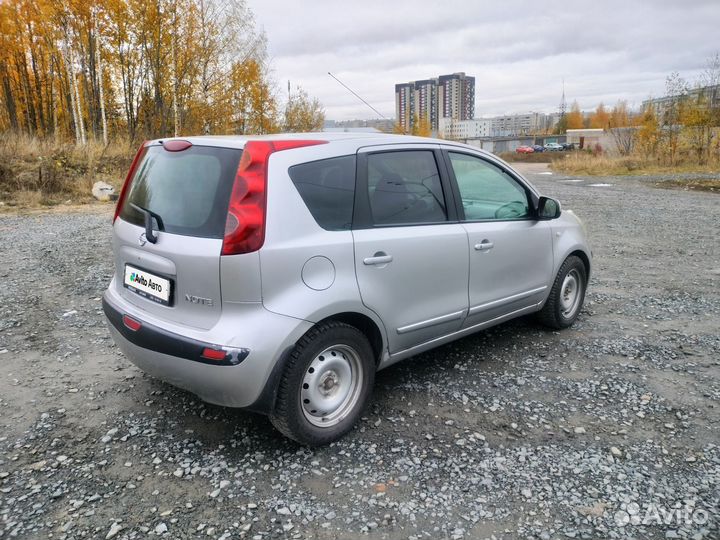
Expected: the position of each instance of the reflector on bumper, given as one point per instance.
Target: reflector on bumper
(156, 339)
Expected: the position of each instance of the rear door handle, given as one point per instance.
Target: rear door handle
(485, 245)
(377, 259)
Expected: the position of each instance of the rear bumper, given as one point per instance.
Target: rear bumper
(248, 375)
(156, 339)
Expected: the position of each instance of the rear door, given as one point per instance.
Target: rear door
(186, 192)
(511, 256)
(411, 255)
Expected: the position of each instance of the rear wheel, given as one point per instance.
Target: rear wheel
(325, 385)
(566, 296)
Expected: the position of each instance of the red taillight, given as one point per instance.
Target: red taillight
(131, 323)
(245, 224)
(213, 354)
(128, 179)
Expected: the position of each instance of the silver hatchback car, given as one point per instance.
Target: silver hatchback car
(279, 273)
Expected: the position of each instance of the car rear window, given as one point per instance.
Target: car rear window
(328, 189)
(189, 190)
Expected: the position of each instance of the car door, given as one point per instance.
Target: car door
(511, 258)
(411, 254)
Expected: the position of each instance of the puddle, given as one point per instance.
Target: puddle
(599, 185)
(544, 172)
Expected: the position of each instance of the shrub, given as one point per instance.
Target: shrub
(55, 169)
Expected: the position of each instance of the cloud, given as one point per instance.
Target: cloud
(518, 53)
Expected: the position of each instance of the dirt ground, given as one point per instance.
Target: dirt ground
(609, 429)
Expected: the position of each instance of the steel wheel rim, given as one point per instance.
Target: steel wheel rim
(570, 293)
(331, 386)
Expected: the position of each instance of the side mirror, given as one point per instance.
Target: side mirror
(548, 208)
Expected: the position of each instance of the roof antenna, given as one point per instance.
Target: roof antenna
(357, 96)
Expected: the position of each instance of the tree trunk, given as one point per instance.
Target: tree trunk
(38, 87)
(127, 93)
(83, 138)
(86, 60)
(9, 99)
(28, 95)
(73, 93)
(65, 90)
(176, 127)
(100, 89)
(51, 95)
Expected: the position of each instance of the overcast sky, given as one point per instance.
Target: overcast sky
(518, 52)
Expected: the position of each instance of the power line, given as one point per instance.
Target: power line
(357, 96)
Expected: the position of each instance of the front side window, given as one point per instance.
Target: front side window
(486, 191)
(404, 188)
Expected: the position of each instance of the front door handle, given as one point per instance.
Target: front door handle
(485, 245)
(379, 258)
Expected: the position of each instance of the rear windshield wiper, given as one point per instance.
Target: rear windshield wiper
(149, 215)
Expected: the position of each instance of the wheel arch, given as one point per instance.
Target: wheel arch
(265, 403)
(579, 253)
(366, 325)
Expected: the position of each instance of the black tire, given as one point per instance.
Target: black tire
(555, 312)
(291, 416)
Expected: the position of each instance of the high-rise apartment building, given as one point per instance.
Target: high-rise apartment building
(456, 96)
(448, 96)
(426, 101)
(405, 105)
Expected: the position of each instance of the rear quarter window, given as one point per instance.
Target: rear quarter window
(189, 190)
(328, 189)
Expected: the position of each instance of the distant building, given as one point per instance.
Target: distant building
(405, 104)
(450, 128)
(351, 130)
(500, 145)
(513, 125)
(608, 141)
(426, 101)
(448, 96)
(523, 124)
(378, 124)
(586, 138)
(456, 96)
(711, 95)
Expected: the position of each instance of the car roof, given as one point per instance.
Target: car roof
(365, 139)
(357, 139)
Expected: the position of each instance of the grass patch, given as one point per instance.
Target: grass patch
(701, 184)
(535, 157)
(584, 163)
(35, 172)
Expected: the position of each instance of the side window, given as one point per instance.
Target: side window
(328, 189)
(404, 187)
(486, 191)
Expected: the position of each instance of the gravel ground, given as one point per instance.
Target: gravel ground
(606, 430)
